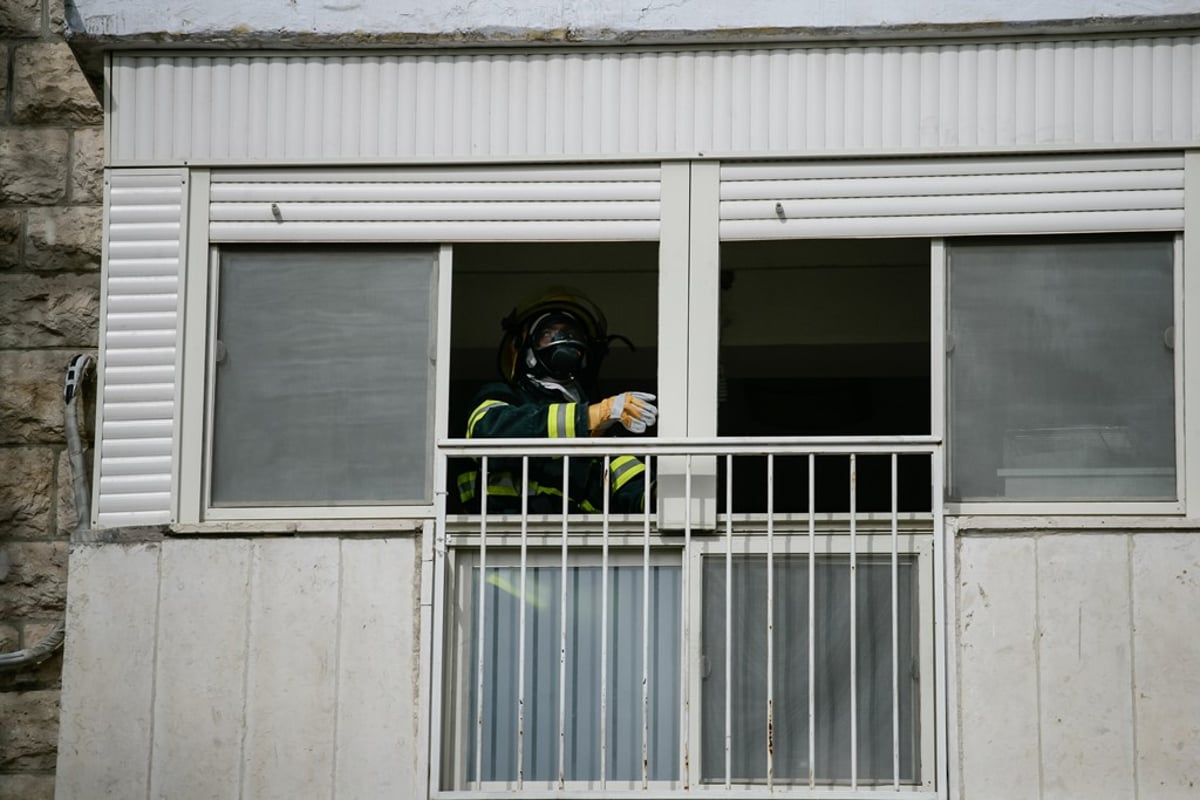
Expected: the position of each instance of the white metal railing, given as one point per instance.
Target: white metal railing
(837, 554)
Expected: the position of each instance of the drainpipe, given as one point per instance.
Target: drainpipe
(77, 371)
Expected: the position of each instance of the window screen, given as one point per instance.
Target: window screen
(1061, 369)
(323, 374)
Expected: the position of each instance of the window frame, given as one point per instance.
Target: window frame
(1058, 508)
(194, 429)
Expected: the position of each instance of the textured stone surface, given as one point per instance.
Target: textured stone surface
(25, 482)
(10, 238)
(87, 166)
(33, 165)
(49, 311)
(23, 786)
(37, 580)
(10, 639)
(63, 239)
(31, 403)
(29, 737)
(3, 67)
(20, 17)
(49, 87)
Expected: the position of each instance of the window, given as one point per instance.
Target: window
(597, 650)
(828, 686)
(322, 376)
(1061, 369)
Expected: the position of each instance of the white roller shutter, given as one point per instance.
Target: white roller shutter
(139, 386)
(952, 197)
(529, 203)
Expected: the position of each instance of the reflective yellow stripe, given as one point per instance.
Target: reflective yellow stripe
(623, 469)
(560, 420)
(478, 413)
(537, 488)
(466, 485)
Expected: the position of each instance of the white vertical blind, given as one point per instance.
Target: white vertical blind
(1131, 92)
(139, 383)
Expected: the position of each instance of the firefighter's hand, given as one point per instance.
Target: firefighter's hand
(634, 410)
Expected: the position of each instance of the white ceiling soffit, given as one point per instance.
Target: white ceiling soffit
(238, 109)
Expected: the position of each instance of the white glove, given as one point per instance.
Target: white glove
(634, 410)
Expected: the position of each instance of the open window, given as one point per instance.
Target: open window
(825, 338)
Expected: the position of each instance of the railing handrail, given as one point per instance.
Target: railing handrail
(683, 446)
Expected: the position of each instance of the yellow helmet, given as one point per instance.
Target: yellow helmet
(517, 352)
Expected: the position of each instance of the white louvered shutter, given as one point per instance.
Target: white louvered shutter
(139, 382)
(952, 197)
(527, 203)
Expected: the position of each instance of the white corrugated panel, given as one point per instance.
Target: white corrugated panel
(222, 109)
(139, 385)
(952, 197)
(584, 203)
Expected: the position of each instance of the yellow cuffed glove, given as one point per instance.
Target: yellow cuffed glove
(634, 410)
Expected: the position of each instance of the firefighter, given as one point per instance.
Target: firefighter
(549, 357)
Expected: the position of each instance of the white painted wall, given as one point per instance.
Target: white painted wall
(259, 668)
(1078, 666)
(585, 18)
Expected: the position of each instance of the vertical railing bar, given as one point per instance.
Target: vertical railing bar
(728, 621)
(521, 624)
(942, 566)
(479, 643)
(812, 620)
(562, 630)
(646, 628)
(604, 630)
(853, 625)
(685, 651)
(895, 631)
(770, 621)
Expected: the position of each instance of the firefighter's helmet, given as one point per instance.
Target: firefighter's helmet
(560, 334)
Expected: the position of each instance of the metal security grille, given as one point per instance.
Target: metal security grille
(595, 655)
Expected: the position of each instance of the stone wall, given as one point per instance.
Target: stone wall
(51, 186)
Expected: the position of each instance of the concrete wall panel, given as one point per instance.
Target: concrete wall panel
(1085, 666)
(998, 668)
(291, 669)
(377, 748)
(108, 672)
(1166, 641)
(201, 669)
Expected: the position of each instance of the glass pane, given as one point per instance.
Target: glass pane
(323, 377)
(748, 683)
(541, 607)
(1061, 369)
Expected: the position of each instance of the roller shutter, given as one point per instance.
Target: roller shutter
(952, 197)
(530, 203)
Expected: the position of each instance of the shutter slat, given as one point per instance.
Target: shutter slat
(139, 387)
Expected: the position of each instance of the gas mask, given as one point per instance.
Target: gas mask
(558, 345)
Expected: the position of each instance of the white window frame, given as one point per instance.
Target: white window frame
(195, 509)
(1059, 508)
